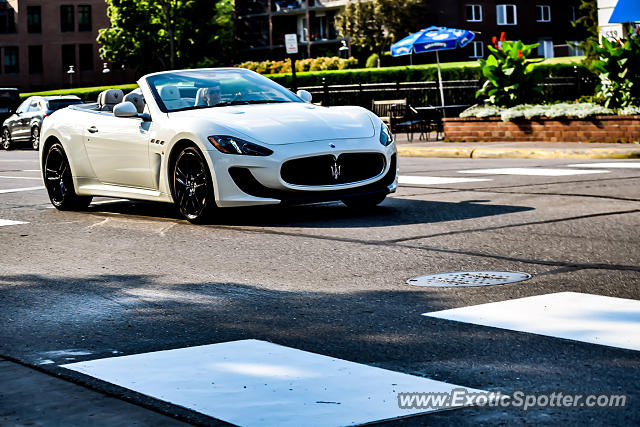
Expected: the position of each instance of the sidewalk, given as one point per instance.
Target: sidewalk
(30, 397)
(515, 150)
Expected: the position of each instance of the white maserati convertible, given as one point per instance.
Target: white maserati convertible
(212, 138)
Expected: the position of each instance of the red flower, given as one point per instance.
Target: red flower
(519, 53)
(502, 37)
(494, 40)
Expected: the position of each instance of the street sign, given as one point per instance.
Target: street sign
(291, 43)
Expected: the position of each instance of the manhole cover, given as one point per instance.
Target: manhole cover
(469, 278)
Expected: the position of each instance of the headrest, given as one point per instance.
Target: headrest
(208, 96)
(136, 99)
(169, 93)
(110, 97)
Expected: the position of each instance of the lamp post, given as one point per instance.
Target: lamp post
(71, 72)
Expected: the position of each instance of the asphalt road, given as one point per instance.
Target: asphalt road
(130, 277)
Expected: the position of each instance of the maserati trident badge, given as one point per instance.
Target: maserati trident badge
(336, 169)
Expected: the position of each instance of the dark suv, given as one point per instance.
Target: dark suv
(25, 124)
(9, 101)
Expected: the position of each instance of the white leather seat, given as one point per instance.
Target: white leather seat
(136, 98)
(171, 97)
(107, 99)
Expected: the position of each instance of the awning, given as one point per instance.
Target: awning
(626, 11)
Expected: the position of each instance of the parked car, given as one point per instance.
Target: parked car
(25, 124)
(9, 101)
(212, 138)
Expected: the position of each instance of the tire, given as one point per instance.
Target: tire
(192, 187)
(6, 139)
(363, 202)
(59, 182)
(35, 137)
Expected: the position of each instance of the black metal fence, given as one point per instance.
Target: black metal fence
(427, 93)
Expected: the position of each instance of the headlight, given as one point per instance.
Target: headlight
(233, 145)
(386, 137)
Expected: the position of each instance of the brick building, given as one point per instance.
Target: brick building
(41, 39)
(261, 25)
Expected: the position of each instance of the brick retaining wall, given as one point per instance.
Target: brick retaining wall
(592, 129)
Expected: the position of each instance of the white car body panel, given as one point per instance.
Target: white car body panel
(129, 157)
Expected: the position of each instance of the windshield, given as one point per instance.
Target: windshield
(191, 89)
(57, 104)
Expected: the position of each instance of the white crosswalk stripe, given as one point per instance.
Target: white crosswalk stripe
(21, 177)
(533, 171)
(17, 190)
(620, 165)
(435, 180)
(257, 383)
(5, 222)
(575, 316)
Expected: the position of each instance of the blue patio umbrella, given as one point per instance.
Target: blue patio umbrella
(626, 11)
(432, 39)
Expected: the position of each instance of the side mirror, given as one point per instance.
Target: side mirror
(125, 109)
(304, 95)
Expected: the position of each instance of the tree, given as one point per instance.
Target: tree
(588, 22)
(361, 22)
(147, 35)
(375, 24)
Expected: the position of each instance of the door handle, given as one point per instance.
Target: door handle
(93, 129)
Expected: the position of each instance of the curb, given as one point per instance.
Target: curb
(520, 153)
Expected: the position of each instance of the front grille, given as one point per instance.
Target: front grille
(329, 170)
(245, 180)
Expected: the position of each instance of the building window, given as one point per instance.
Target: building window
(474, 12)
(477, 49)
(11, 63)
(68, 56)
(86, 57)
(543, 13)
(84, 18)
(545, 48)
(35, 59)
(7, 21)
(67, 23)
(34, 22)
(506, 14)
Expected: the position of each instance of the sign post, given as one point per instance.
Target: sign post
(291, 43)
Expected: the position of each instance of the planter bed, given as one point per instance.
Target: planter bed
(590, 129)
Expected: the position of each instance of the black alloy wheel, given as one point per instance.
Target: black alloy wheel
(59, 182)
(6, 139)
(35, 138)
(192, 189)
(366, 201)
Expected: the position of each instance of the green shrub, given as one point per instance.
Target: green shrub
(511, 77)
(373, 61)
(528, 111)
(619, 68)
(87, 94)
(303, 65)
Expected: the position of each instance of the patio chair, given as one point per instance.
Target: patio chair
(404, 118)
(382, 109)
(432, 121)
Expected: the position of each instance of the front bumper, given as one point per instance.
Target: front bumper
(253, 180)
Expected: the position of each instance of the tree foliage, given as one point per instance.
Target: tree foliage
(588, 22)
(148, 35)
(375, 24)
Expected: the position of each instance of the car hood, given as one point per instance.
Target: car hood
(288, 123)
